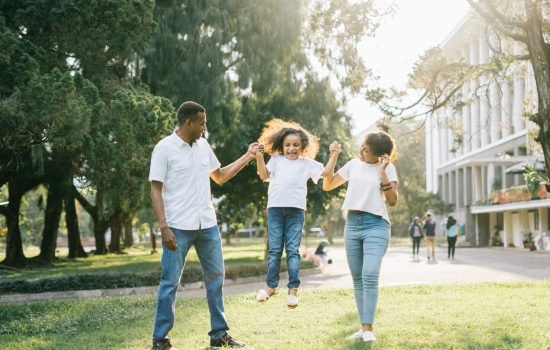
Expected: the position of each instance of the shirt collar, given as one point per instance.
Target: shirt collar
(177, 140)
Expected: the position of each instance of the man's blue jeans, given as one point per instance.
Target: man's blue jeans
(366, 238)
(209, 249)
(284, 227)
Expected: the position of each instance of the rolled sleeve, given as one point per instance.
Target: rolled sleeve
(159, 165)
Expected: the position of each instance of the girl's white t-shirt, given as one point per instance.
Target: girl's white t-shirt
(288, 180)
(364, 192)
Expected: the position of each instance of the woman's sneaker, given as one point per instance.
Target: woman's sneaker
(357, 335)
(368, 336)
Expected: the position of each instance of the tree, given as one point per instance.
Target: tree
(61, 51)
(521, 23)
(250, 61)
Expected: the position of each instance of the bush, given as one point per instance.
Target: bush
(125, 280)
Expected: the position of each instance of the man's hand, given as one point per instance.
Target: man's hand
(168, 238)
(252, 149)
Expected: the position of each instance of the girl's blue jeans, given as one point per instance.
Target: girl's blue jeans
(209, 249)
(366, 238)
(284, 227)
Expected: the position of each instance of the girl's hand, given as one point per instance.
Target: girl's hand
(335, 147)
(261, 148)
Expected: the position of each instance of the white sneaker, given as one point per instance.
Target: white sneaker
(368, 336)
(356, 335)
(262, 296)
(292, 301)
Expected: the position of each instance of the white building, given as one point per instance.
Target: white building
(495, 135)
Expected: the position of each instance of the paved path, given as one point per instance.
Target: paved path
(470, 266)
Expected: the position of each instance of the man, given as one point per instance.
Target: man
(181, 167)
(429, 226)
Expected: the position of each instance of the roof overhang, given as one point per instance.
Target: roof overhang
(525, 205)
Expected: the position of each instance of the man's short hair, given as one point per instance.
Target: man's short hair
(188, 109)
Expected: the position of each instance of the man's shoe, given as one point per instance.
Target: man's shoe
(226, 342)
(163, 344)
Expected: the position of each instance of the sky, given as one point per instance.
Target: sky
(416, 26)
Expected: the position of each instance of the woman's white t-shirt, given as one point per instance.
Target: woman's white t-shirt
(288, 180)
(364, 192)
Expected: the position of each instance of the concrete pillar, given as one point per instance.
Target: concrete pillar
(466, 122)
(474, 107)
(485, 125)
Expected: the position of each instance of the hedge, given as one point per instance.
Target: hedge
(126, 280)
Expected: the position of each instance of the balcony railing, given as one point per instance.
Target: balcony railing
(515, 194)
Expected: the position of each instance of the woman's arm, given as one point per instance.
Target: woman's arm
(389, 188)
(330, 180)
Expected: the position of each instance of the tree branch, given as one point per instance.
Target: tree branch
(91, 209)
(500, 21)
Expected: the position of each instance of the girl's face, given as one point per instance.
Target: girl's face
(366, 155)
(292, 146)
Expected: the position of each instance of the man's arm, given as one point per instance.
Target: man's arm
(260, 164)
(168, 237)
(221, 175)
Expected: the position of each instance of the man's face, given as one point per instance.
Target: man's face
(197, 126)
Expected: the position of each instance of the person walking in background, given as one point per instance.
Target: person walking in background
(429, 226)
(292, 149)
(372, 183)
(182, 165)
(452, 233)
(415, 232)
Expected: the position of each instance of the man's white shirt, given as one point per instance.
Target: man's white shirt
(185, 174)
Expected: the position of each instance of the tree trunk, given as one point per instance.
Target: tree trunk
(101, 223)
(153, 239)
(14, 244)
(116, 232)
(128, 236)
(52, 215)
(71, 219)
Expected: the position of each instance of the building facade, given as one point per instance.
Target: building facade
(473, 153)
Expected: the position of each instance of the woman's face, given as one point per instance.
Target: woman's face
(292, 146)
(366, 155)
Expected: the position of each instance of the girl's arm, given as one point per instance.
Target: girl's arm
(330, 180)
(389, 188)
(260, 164)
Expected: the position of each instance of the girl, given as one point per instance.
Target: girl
(292, 150)
(372, 183)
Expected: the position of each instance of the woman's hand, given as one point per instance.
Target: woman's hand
(335, 147)
(384, 161)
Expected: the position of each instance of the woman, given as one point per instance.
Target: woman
(452, 233)
(372, 182)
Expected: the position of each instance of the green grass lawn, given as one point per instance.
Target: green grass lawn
(477, 316)
(137, 260)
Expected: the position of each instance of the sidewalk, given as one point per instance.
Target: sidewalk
(471, 265)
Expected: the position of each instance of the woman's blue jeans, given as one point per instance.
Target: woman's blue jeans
(366, 238)
(284, 227)
(209, 249)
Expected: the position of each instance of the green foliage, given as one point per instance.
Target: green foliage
(247, 62)
(533, 179)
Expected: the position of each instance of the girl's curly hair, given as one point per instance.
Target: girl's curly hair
(275, 131)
